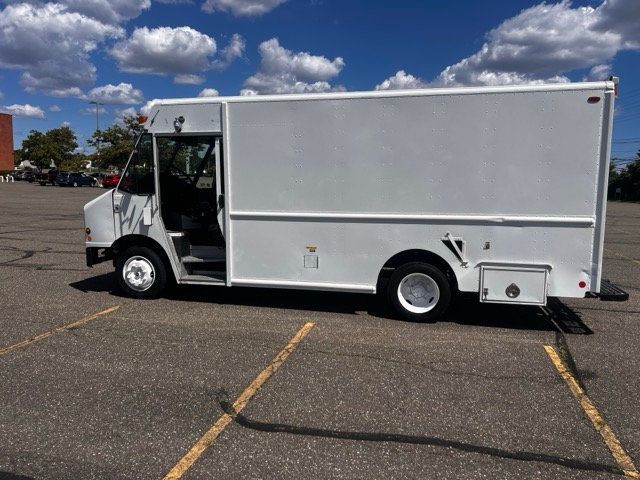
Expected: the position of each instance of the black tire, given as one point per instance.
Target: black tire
(435, 311)
(159, 278)
(43, 183)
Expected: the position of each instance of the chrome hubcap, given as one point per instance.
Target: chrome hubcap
(139, 273)
(418, 293)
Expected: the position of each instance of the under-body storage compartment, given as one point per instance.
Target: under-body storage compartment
(525, 285)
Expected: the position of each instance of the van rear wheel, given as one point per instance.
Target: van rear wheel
(141, 273)
(419, 292)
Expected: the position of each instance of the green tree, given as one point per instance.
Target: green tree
(75, 163)
(56, 144)
(17, 157)
(115, 144)
(628, 180)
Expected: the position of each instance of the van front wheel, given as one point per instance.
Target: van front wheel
(141, 273)
(419, 292)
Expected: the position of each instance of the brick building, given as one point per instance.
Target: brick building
(6, 142)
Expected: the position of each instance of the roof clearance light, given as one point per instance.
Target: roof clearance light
(142, 119)
(593, 99)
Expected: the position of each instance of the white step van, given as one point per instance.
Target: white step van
(494, 190)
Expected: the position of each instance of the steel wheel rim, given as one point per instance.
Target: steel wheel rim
(418, 293)
(138, 273)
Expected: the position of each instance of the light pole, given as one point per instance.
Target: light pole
(98, 105)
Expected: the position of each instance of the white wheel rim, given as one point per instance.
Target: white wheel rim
(418, 293)
(138, 273)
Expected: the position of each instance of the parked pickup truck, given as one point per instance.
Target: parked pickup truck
(47, 176)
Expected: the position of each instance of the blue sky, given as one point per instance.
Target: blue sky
(56, 57)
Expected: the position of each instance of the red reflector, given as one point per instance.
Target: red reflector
(593, 99)
(582, 284)
(142, 119)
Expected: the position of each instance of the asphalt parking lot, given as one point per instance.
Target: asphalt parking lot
(126, 388)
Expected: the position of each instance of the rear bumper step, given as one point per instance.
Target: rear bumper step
(609, 292)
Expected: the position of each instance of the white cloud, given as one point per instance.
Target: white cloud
(209, 92)
(51, 44)
(189, 79)
(541, 45)
(121, 114)
(91, 110)
(106, 11)
(241, 7)
(282, 71)
(401, 81)
(546, 41)
(622, 17)
(126, 112)
(235, 49)
(54, 108)
(598, 73)
(109, 11)
(146, 108)
(65, 124)
(165, 50)
(26, 110)
(122, 94)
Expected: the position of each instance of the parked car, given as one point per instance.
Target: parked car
(29, 176)
(99, 176)
(74, 179)
(47, 176)
(110, 181)
(18, 175)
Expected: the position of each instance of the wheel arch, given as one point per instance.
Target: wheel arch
(134, 240)
(415, 255)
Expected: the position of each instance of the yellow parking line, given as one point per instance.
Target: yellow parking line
(69, 326)
(225, 419)
(621, 457)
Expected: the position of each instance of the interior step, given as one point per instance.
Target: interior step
(610, 292)
(208, 278)
(175, 234)
(208, 252)
(194, 259)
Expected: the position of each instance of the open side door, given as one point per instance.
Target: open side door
(220, 188)
(135, 203)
